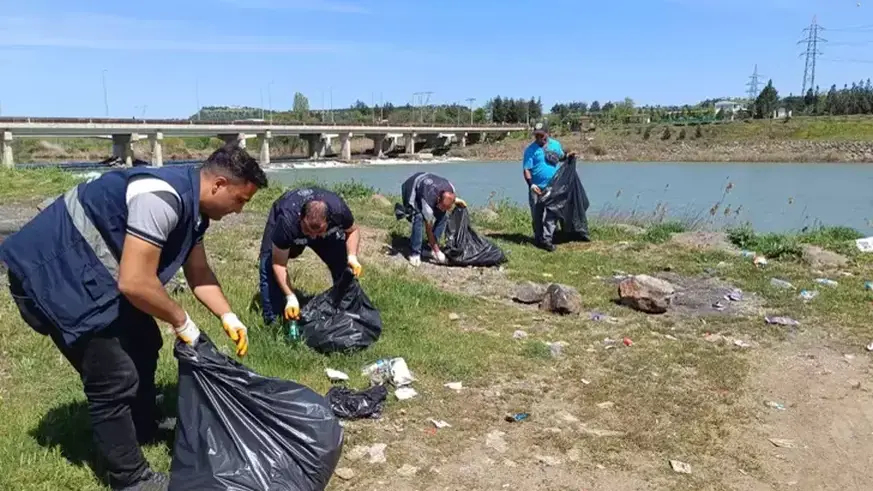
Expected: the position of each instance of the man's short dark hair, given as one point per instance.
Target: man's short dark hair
(233, 162)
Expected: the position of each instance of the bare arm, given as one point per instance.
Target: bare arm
(527, 177)
(203, 282)
(280, 269)
(138, 282)
(431, 240)
(353, 240)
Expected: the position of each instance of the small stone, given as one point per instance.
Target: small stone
(562, 299)
(345, 473)
(646, 294)
(519, 335)
(600, 467)
(454, 317)
(529, 292)
(556, 349)
(585, 381)
(606, 405)
(569, 418)
(855, 384)
(377, 453)
(357, 452)
(407, 471)
(456, 386)
(574, 455)
(680, 467)
(509, 463)
(495, 441)
(548, 460)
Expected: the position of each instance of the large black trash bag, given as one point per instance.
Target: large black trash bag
(243, 431)
(567, 199)
(340, 319)
(348, 404)
(464, 247)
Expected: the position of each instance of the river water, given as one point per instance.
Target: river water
(772, 197)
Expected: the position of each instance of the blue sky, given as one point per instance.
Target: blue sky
(160, 55)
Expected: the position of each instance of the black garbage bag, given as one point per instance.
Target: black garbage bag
(340, 319)
(464, 247)
(243, 431)
(567, 199)
(348, 404)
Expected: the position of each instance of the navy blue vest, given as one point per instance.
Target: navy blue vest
(67, 256)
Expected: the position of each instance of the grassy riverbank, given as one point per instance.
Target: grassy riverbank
(603, 415)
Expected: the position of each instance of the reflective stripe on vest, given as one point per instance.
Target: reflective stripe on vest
(89, 232)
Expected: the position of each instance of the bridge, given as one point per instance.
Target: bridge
(319, 137)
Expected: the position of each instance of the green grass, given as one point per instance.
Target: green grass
(675, 399)
(29, 184)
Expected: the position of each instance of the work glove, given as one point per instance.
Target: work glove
(355, 265)
(461, 203)
(292, 308)
(536, 189)
(187, 332)
(415, 260)
(439, 256)
(237, 332)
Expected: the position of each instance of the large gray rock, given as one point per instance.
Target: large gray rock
(646, 294)
(380, 200)
(529, 292)
(562, 299)
(822, 258)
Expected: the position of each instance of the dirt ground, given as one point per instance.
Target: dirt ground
(824, 386)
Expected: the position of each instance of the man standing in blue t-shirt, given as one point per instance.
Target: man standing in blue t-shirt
(540, 164)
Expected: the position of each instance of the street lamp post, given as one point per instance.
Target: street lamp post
(105, 96)
(270, 99)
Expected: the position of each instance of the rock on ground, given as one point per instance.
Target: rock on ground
(820, 258)
(345, 473)
(380, 200)
(562, 299)
(529, 292)
(705, 240)
(646, 294)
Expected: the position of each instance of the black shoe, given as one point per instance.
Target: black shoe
(546, 246)
(151, 481)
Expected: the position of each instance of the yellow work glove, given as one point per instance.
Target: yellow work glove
(460, 202)
(355, 265)
(237, 332)
(187, 332)
(292, 308)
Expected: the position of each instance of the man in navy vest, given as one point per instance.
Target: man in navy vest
(300, 218)
(89, 271)
(426, 199)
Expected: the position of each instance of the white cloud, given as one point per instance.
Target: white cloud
(103, 32)
(316, 5)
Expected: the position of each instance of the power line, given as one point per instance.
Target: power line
(753, 83)
(812, 40)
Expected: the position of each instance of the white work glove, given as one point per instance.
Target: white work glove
(536, 189)
(439, 256)
(187, 332)
(292, 308)
(415, 260)
(237, 332)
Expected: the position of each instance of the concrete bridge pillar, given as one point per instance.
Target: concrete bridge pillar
(122, 149)
(378, 145)
(461, 139)
(234, 137)
(157, 140)
(265, 138)
(410, 143)
(346, 149)
(315, 144)
(6, 158)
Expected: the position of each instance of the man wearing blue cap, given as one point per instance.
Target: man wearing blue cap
(540, 164)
